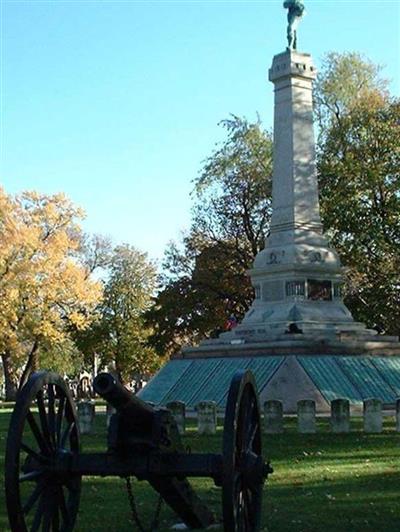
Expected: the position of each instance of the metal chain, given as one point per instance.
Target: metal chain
(135, 516)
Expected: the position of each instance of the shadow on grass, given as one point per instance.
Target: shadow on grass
(365, 502)
(322, 483)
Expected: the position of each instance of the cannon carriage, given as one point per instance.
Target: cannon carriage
(44, 463)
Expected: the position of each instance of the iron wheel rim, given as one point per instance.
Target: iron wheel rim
(241, 501)
(54, 498)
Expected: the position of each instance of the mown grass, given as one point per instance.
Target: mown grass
(322, 482)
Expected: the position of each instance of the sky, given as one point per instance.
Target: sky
(117, 103)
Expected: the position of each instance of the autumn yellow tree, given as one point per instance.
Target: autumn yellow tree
(45, 289)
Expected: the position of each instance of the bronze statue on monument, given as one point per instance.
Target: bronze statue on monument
(295, 13)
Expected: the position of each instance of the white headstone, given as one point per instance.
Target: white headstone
(306, 416)
(86, 411)
(273, 416)
(178, 410)
(372, 415)
(340, 415)
(110, 411)
(206, 417)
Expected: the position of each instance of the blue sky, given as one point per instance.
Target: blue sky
(116, 103)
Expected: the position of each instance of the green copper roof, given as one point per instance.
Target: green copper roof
(329, 378)
(389, 368)
(215, 385)
(197, 375)
(195, 380)
(367, 378)
(354, 377)
(164, 380)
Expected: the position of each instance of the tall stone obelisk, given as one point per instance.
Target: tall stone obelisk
(297, 277)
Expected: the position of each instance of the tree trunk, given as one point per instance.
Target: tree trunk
(118, 369)
(10, 384)
(31, 364)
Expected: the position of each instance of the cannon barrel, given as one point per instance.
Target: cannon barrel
(125, 402)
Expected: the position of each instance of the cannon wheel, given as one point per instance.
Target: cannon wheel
(241, 495)
(43, 425)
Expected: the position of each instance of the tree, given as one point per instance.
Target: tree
(344, 82)
(196, 303)
(44, 289)
(120, 334)
(234, 190)
(359, 177)
(360, 193)
(205, 278)
(95, 253)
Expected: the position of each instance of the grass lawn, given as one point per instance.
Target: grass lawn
(322, 482)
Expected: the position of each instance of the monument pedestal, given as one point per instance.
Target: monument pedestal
(298, 336)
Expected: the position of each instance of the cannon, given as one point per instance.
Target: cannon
(44, 465)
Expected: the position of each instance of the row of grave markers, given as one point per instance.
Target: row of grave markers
(306, 416)
(273, 416)
(339, 419)
(206, 416)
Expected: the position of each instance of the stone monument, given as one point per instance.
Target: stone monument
(298, 336)
(297, 277)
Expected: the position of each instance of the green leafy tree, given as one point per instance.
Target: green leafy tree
(205, 278)
(359, 178)
(360, 192)
(345, 81)
(233, 191)
(120, 334)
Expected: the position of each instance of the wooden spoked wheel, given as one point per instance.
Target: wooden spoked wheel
(243, 465)
(43, 427)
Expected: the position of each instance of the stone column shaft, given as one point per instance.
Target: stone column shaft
(295, 189)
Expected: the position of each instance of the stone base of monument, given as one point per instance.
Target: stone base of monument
(281, 375)
(303, 355)
(255, 343)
